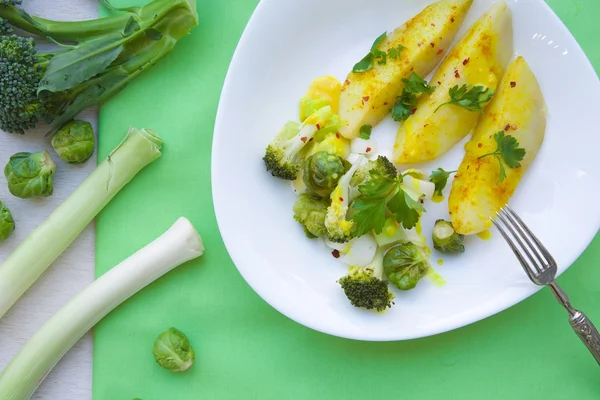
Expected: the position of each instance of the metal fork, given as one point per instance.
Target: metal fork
(541, 268)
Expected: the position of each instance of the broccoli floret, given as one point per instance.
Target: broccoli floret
(310, 211)
(282, 157)
(31, 89)
(5, 27)
(365, 287)
(340, 227)
(381, 164)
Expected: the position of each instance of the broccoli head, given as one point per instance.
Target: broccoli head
(283, 155)
(365, 290)
(340, 228)
(365, 287)
(310, 211)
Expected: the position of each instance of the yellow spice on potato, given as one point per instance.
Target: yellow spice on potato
(367, 97)
(519, 110)
(478, 59)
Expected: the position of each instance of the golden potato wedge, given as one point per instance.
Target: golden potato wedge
(368, 96)
(478, 59)
(519, 110)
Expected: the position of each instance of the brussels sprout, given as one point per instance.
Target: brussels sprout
(405, 264)
(310, 212)
(30, 174)
(7, 223)
(74, 142)
(446, 239)
(173, 351)
(322, 171)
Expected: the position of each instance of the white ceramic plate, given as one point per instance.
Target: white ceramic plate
(288, 43)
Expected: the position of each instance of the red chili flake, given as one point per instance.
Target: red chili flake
(432, 24)
(439, 82)
(385, 104)
(513, 127)
(368, 149)
(337, 135)
(479, 145)
(318, 126)
(432, 44)
(440, 51)
(513, 84)
(414, 110)
(421, 201)
(303, 138)
(451, 19)
(456, 74)
(341, 199)
(419, 44)
(425, 126)
(466, 61)
(366, 98)
(346, 82)
(335, 254)
(311, 139)
(507, 127)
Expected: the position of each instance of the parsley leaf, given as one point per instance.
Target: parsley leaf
(365, 132)
(394, 52)
(380, 194)
(439, 178)
(406, 102)
(417, 85)
(472, 98)
(405, 209)
(367, 61)
(508, 152)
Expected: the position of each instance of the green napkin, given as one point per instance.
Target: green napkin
(247, 350)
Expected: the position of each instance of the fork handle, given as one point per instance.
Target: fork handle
(587, 332)
(581, 324)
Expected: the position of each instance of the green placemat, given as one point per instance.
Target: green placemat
(247, 350)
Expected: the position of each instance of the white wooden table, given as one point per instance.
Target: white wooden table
(72, 377)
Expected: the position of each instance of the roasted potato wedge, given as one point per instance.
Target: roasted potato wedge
(519, 110)
(478, 59)
(368, 96)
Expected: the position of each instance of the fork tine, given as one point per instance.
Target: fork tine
(514, 248)
(524, 248)
(544, 252)
(527, 236)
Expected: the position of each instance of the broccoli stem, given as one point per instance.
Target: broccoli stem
(78, 31)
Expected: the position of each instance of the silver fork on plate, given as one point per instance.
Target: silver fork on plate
(541, 268)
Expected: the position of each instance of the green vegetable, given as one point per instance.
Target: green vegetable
(405, 265)
(310, 212)
(439, 178)
(108, 53)
(36, 253)
(7, 223)
(74, 142)
(508, 152)
(322, 171)
(446, 239)
(46, 347)
(340, 227)
(310, 106)
(365, 287)
(365, 132)
(472, 98)
(173, 351)
(283, 155)
(30, 174)
(407, 101)
(382, 195)
(374, 54)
